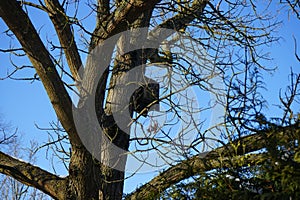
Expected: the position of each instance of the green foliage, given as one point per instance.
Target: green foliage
(277, 176)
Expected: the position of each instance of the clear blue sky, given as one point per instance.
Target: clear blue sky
(25, 104)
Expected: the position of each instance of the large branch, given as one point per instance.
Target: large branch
(20, 24)
(126, 13)
(190, 168)
(103, 10)
(182, 19)
(213, 160)
(32, 176)
(66, 37)
(176, 23)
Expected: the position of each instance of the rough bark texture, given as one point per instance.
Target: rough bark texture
(84, 176)
(65, 36)
(33, 176)
(114, 179)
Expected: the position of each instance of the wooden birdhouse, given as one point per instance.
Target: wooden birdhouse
(146, 97)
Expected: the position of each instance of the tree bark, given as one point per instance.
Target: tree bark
(65, 35)
(33, 176)
(119, 136)
(84, 176)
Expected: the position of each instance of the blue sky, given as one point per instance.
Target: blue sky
(25, 104)
(283, 54)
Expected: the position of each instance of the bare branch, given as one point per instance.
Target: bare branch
(65, 35)
(182, 19)
(116, 22)
(296, 55)
(177, 23)
(41, 7)
(32, 176)
(10, 50)
(19, 23)
(103, 9)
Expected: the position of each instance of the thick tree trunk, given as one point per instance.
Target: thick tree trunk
(84, 176)
(113, 161)
(113, 179)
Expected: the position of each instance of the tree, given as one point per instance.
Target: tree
(194, 42)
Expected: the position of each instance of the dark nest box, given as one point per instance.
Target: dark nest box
(146, 97)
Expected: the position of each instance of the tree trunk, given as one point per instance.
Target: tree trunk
(84, 176)
(113, 179)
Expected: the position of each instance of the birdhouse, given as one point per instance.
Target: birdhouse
(146, 97)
